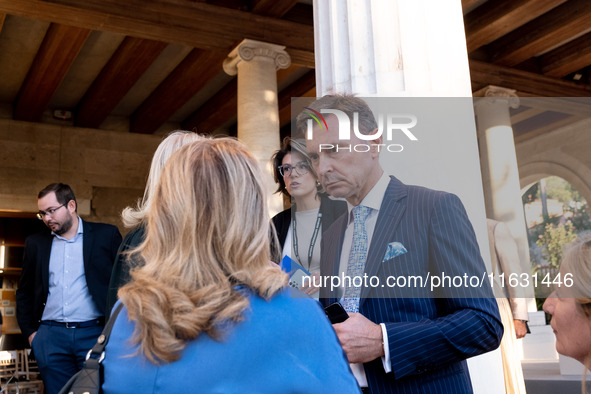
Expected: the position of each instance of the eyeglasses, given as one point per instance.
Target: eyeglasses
(301, 168)
(50, 212)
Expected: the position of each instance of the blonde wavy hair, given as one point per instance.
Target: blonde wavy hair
(577, 261)
(134, 216)
(207, 235)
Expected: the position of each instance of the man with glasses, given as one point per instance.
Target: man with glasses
(62, 293)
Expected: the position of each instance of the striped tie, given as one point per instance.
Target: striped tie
(357, 257)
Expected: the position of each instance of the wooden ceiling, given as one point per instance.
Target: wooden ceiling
(150, 66)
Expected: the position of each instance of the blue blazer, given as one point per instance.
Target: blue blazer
(100, 242)
(283, 345)
(429, 334)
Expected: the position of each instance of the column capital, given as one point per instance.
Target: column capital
(508, 95)
(249, 49)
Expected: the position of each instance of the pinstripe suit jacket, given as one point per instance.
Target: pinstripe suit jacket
(429, 334)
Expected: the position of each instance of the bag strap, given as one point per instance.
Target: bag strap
(99, 348)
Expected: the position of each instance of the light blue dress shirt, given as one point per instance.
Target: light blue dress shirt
(69, 299)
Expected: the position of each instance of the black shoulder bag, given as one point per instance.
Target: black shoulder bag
(90, 378)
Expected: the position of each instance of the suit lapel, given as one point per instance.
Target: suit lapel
(391, 211)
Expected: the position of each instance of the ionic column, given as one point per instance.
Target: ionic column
(409, 48)
(498, 162)
(391, 48)
(256, 64)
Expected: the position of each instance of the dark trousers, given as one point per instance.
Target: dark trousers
(60, 353)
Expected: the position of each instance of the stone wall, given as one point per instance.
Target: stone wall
(106, 169)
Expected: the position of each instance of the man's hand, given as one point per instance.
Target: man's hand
(31, 337)
(520, 328)
(361, 338)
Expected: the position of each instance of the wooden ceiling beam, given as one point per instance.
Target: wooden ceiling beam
(576, 106)
(198, 67)
(567, 58)
(223, 106)
(494, 19)
(215, 112)
(528, 113)
(466, 4)
(197, 25)
(285, 73)
(301, 13)
(524, 136)
(297, 89)
(273, 8)
(540, 34)
(131, 59)
(241, 5)
(56, 54)
(483, 74)
(286, 112)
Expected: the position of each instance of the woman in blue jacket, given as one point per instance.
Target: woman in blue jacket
(208, 311)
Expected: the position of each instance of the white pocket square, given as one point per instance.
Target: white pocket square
(394, 249)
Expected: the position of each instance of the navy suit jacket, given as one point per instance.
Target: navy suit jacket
(429, 334)
(99, 247)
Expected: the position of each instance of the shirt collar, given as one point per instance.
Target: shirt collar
(374, 198)
(80, 230)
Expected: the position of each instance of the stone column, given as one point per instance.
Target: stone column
(391, 48)
(498, 161)
(256, 64)
(411, 48)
